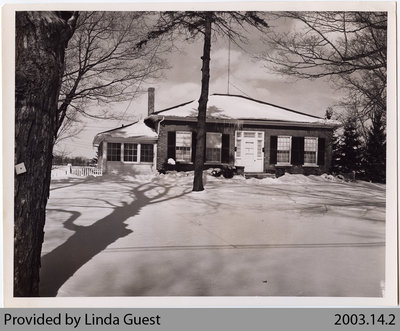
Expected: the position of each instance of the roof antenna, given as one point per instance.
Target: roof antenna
(229, 60)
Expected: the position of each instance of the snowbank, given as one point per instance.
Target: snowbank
(186, 178)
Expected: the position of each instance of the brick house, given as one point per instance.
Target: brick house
(243, 132)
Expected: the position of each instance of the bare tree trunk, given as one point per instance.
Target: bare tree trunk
(41, 39)
(201, 117)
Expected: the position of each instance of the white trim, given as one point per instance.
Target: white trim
(139, 147)
(154, 155)
(235, 146)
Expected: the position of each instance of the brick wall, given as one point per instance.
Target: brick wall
(167, 126)
(298, 132)
(229, 128)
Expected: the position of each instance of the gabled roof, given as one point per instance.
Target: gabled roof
(134, 130)
(237, 107)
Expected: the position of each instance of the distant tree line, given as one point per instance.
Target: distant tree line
(59, 159)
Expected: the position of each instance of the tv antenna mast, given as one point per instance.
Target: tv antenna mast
(229, 62)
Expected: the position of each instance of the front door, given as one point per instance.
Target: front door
(249, 147)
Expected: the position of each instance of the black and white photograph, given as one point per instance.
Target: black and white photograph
(241, 153)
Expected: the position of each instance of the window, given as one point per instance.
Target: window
(238, 144)
(113, 152)
(260, 136)
(310, 150)
(283, 150)
(146, 153)
(248, 134)
(183, 151)
(213, 147)
(130, 152)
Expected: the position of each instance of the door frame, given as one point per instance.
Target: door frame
(258, 136)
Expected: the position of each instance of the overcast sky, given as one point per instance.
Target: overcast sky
(181, 83)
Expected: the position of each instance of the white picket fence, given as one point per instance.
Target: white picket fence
(87, 171)
(67, 171)
(58, 171)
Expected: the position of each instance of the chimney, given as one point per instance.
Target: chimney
(150, 103)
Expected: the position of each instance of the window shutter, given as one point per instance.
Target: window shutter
(301, 150)
(225, 148)
(321, 151)
(297, 151)
(273, 149)
(171, 142)
(194, 141)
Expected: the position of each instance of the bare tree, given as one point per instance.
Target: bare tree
(104, 65)
(60, 155)
(41, 39)
(190, 25)
(349, 48)
(71, 126)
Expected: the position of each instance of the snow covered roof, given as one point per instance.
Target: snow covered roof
(236, 107)
(134, 130)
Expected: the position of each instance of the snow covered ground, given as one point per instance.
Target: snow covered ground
(153, 236)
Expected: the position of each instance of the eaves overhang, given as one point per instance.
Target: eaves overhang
(323, 124)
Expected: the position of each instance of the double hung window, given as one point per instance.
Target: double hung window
(283, 149)
(310, 150)
(213, 147)
(297, 150)
(183, 149)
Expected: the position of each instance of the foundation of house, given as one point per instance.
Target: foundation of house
(258, 175)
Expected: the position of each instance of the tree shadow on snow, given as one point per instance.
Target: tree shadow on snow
(62, 183)
(317, 199)
(57, 184)
(87, 241)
